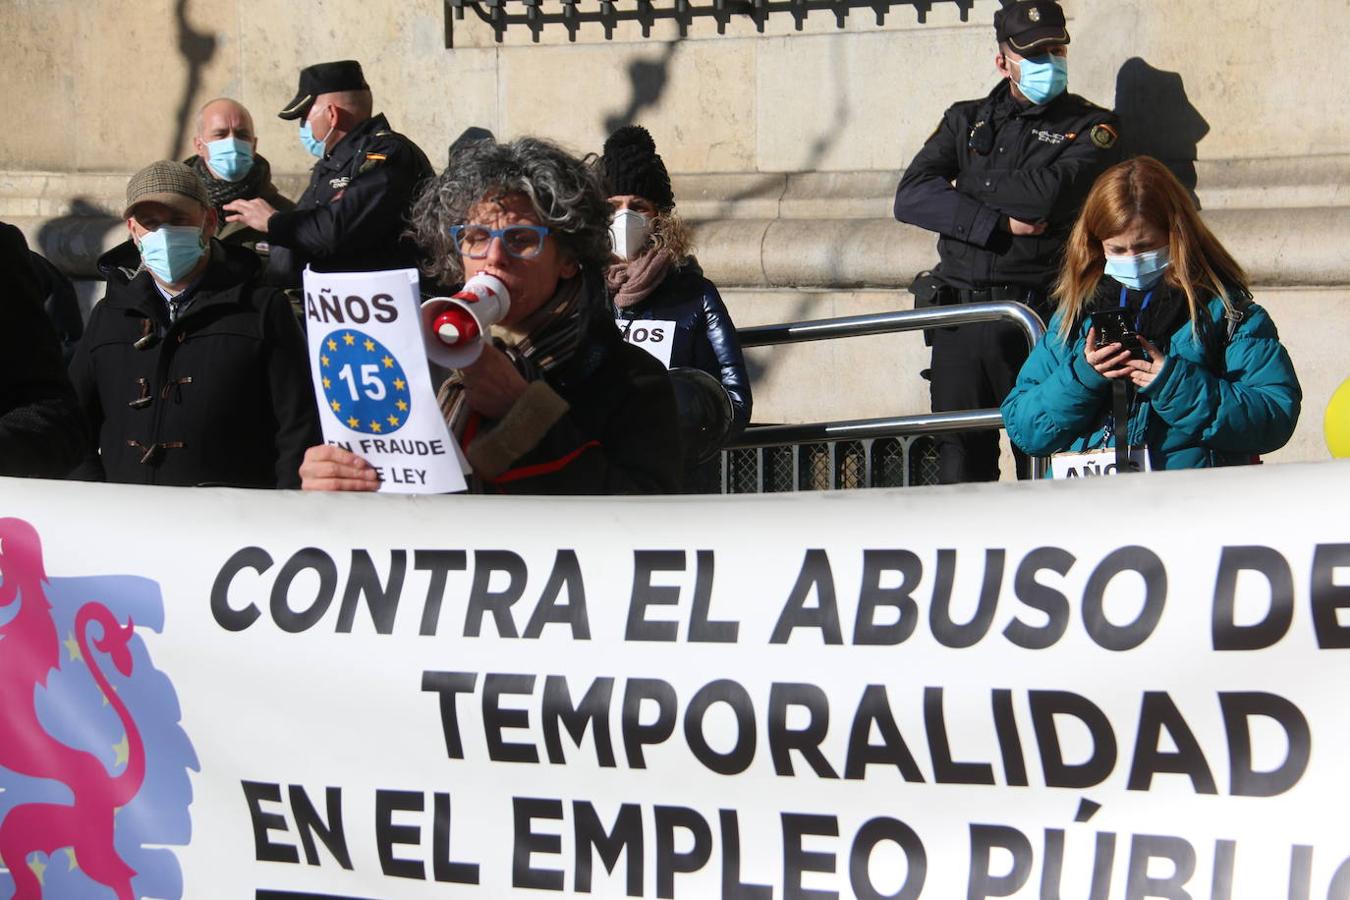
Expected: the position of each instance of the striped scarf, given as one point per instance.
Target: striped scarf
(550, 338)
(256, 183)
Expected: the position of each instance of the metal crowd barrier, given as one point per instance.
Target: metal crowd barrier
(893, 451)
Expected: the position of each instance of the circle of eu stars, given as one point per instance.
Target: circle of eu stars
(363, 383)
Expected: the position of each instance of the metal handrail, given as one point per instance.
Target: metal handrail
(885, 323)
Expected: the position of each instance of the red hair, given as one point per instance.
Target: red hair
(1143, 189)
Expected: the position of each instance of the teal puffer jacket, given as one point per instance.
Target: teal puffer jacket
(1189, 416)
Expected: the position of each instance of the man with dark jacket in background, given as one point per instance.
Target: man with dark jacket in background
(353, 214)
(41, 434)
(1000, 181)
(228, 163)
(192, 372)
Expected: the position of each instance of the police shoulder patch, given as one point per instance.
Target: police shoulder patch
(371, 161)
(1103, 136)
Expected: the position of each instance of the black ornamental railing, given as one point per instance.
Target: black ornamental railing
(537, 15)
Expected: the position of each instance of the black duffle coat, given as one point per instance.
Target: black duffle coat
(221, 396)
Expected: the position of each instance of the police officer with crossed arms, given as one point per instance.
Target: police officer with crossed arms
(355, 209)
(1000, 181)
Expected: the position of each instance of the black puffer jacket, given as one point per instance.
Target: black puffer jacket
(603, 422)
(705, 336)
(221, 396)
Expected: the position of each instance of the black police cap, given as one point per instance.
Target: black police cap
(1031, 25)
(324, 78)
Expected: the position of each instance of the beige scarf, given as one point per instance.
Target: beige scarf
(632, 281)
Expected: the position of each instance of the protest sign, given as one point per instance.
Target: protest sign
(372, 382)
(1091, 463)
(656, 336)
(977, 691)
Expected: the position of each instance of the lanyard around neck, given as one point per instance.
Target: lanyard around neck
(1148, 297)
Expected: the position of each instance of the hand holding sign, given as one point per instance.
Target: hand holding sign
(370, 375)
(328, 467)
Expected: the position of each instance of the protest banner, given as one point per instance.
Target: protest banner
(1102, 688)
(371, 379)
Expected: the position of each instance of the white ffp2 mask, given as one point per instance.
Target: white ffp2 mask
(628, 232)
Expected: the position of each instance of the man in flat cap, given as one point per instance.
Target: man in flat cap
(193, 371)
(352, 215)
(1000, 181)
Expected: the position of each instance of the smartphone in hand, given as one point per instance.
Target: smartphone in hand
(1114, 327)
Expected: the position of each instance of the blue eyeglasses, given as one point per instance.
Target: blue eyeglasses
(521, 241)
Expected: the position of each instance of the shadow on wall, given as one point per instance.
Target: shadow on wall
(649, 78)
(829, 135)
(74, 240)
(1158, 120)
(197, 48)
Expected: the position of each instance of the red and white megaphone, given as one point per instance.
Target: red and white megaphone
(453, 328)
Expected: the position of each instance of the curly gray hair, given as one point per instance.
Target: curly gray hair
(565, 194)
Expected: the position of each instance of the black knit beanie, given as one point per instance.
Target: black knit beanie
(631, 165)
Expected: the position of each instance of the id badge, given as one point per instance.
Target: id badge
(1090, 463)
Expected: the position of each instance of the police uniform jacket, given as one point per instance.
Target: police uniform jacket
(222, 395)
(353, 213)
(992, 158)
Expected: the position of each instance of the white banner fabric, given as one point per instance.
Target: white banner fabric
(1104, 688)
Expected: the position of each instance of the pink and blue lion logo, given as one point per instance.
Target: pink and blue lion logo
(93, 762)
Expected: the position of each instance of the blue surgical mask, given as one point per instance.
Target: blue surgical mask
(313, 144)
(229, 157)
(1043, 78)
(171, 251)
(1138, 273)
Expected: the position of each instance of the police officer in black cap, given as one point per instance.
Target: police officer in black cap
(352, 215)
(1001, 181)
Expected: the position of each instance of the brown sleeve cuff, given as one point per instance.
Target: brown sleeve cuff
(519, 431)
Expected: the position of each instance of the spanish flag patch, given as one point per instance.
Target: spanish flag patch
(371, 161)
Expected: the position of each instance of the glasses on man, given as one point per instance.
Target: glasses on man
(521, 241)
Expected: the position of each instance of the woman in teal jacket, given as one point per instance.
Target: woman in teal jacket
(1197, 367)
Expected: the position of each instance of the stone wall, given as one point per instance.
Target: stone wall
(786, 144)
(99, 85)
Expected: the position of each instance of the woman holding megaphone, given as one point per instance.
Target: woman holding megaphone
(1157, 350)
(548, 398)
